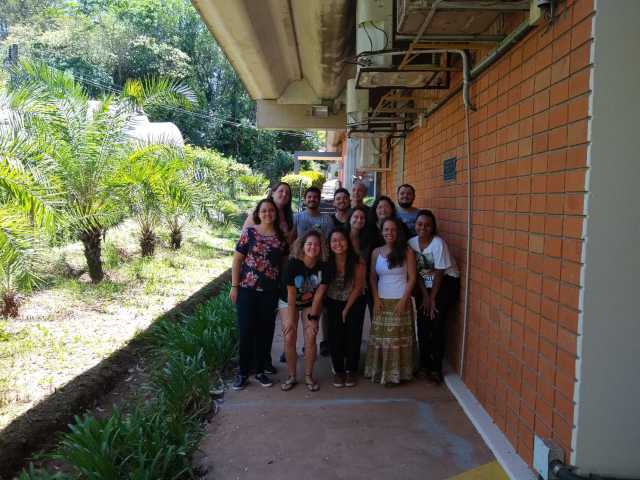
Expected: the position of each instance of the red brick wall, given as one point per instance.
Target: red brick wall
(529, 157)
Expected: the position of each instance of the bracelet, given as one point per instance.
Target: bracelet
(235, 286)
(314, 318)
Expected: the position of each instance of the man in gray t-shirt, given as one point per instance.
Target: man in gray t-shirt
(312, 217)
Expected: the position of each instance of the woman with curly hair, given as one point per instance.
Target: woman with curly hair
(255, 282)
(391, 355)
(346, 302)
(305, 280)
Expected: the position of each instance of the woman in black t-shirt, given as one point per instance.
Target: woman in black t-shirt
(255, 282)
(305, 280)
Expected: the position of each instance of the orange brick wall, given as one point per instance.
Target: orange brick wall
(529, 157)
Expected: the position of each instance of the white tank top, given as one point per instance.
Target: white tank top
(391, 282)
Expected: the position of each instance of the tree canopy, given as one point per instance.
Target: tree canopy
(104, 43)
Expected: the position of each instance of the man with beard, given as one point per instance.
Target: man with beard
(312, 217)
(405, 209)
(342, 204)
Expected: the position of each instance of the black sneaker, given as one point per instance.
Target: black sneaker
(324, 348)
(263, 380)
(241, 382)
(270, 369)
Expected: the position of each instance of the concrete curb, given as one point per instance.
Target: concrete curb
(513, 465)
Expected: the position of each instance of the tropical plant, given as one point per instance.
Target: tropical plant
(29, 205)
(88, 144)
(254, 184)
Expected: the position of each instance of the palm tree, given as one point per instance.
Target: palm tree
(88, 145)
(29, 206)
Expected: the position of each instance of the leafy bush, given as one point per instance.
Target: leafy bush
(185, 383)
(211, 330)
(318, 179)
(369, 201)
(152, 441)
(254, 185)
(294, 182)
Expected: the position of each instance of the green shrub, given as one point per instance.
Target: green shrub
(211, 330)
(254, 185)
(294, 182)
(318, 179)
(150, 442)
(368, 201)
(185, 382)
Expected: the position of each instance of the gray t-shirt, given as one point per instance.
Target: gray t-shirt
(303, 222)
(409, 219)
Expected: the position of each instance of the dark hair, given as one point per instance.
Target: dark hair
(287, 210)
(341, 190)
(408, 186)
(398, 254)
(364, 231)
(353, 259)
(373, 216)
(276, 223)
(312, 189)
(429, 213)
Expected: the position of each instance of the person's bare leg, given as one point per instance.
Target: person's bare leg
(310, 349)
(289, 344)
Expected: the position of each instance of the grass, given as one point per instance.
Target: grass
(70, 324)
(157, 439)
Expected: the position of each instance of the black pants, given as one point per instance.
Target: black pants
(256, 324)
(431, 332)
(345, 337)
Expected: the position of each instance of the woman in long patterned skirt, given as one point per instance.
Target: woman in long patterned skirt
(391, 355)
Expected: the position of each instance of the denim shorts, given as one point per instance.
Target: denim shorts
(283, 304)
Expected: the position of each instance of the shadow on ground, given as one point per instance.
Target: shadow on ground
(37, 428)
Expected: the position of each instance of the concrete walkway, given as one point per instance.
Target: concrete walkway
(364, 432)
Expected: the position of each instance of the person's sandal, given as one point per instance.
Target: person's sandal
(434, 380)
(288, 384)
(313, 387)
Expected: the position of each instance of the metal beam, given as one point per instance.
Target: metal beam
(452, 38)
(475, 7)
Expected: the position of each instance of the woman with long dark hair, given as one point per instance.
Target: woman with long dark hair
(255, 284)
(346, 302)
(391, 355)
(280, 193)
(358, 231)
(439, 283)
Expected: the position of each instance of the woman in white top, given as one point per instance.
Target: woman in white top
(440, 288)
(391, 354)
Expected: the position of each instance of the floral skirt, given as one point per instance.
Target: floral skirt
(392, 353)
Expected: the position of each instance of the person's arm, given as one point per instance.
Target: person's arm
(411, 281)
(236, 267)
(437, 283)
(426, 298)
(358, 283)
(373, 281)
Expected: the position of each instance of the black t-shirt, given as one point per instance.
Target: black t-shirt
(336, 222)
(305, 279)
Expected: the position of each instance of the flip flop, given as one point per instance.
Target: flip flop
(313, 387)
(288, 385)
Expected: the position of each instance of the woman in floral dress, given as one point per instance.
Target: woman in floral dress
(255, 284)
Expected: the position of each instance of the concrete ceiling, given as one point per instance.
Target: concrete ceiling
(272, 43)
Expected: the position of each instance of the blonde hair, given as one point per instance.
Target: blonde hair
(297, 249)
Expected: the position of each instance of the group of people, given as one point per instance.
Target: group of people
(326, 270)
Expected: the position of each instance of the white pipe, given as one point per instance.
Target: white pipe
(427, 20)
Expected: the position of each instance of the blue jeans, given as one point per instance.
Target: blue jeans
(256, 323)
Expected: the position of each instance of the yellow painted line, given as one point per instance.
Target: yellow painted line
(490, 471)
